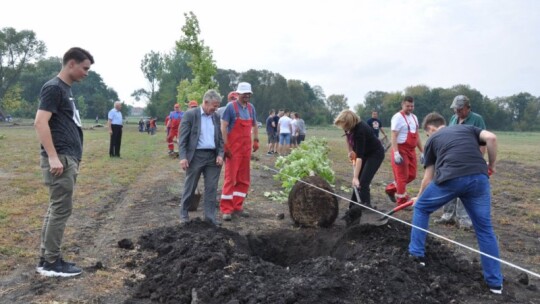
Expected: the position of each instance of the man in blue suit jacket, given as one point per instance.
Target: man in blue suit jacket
(201, 151)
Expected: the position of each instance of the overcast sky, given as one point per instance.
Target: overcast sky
(346, 47)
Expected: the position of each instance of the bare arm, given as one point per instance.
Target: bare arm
(394, 140)
(224, 125)
(419, 143)
(255, 132)
(110, 126)
(491, 146)
(41, 124)
(429, 172)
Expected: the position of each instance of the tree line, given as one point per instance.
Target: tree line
(184, 73)
(519, 112)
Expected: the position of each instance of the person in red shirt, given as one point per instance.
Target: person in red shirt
(175, 117)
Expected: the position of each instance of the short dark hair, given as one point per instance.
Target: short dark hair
(408, 98)
(271, 111)
(78, 54)
(286, 111)
(433, 119)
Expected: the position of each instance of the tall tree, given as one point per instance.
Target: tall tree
(201, 62)
(152, 66)
(17, 50)
(336, 104)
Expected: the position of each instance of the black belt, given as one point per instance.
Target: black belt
(206, 150)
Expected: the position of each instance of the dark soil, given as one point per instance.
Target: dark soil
(199, 263)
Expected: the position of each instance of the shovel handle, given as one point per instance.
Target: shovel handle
(396, 209)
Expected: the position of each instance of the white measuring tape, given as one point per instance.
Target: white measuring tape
(411, 225)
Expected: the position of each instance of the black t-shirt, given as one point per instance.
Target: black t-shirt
(455, 152)
(375, 125)
(269, 128)
(276, 120)
(67, 136)
(365, 143)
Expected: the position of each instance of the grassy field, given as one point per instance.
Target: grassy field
(23, 199)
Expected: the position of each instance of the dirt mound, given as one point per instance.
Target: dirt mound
(198, 263)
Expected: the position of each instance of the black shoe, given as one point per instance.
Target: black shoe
(59, 268)
(42, 262)
(421, 261)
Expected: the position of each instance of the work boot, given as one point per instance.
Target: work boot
(403, 200)
(242, 213)
(227, 217)
(391, 191)
(420, 261)
(465, 224)
(446, 219)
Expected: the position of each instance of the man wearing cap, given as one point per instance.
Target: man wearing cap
(405, 140)
(238, 122)
(454, 212)
(193, 104)
(175, 118)
(201, 152)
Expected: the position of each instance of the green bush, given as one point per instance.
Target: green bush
(310, 158)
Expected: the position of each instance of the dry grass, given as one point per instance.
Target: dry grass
(23, 199)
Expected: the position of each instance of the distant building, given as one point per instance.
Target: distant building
(136, 111)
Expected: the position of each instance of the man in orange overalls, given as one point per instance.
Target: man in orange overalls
(238, 122)
(175, 117)
(405, 140)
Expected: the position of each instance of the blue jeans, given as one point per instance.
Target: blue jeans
(285, 138)
(474, 192)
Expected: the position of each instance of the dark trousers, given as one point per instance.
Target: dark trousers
(203, 162)
(370, 165)
(116, 141)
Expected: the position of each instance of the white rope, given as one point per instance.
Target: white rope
(411, 225)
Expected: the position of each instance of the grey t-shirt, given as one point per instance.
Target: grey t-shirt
(67, 136)
(455, 152)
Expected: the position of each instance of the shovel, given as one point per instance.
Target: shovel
(368, 216)
(396, 209)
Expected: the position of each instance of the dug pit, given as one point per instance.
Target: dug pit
(199, 263)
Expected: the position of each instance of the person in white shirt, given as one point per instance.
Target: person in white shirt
(285, 131)
(405, 140)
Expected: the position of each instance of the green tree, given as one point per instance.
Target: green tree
(17, 50)
(32, 79)
(81, 106)
(97, 95)
(152, 66)
(12, 100)
(336, 104)
(201, 62)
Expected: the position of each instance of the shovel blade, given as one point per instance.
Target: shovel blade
(372, 218)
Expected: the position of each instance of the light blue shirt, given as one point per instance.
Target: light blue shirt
(206, 137)
(115, 117)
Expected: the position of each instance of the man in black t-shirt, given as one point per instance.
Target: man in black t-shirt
(455, 167)
(375, 123)
(58, 127)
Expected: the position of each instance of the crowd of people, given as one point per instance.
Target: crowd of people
(209, 138)
(456, 174)
(285, 130)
